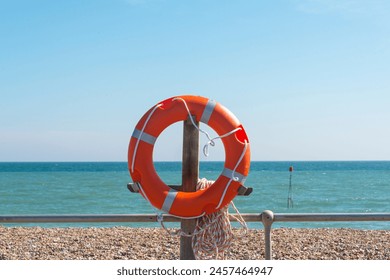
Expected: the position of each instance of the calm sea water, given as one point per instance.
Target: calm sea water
(100, 188)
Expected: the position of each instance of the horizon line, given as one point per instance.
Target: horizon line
(176, 161)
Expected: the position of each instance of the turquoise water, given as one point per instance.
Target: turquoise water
(100, 188)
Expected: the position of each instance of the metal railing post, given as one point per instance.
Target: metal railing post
(267, 217)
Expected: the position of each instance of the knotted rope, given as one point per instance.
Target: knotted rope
(213, 234)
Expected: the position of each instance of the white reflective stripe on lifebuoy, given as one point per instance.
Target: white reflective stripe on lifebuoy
(150, 139)
(208, 110)
(171, 195)
(228, 173)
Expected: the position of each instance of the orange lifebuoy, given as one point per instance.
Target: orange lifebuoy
(189, 204)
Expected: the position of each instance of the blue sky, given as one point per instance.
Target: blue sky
(308, 79)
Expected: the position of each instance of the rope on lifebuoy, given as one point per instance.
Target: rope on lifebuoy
(212, 143)
(211, 140)
(142, 132)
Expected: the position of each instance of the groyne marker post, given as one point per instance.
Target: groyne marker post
(190, 176)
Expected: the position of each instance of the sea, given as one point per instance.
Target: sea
(50, 188)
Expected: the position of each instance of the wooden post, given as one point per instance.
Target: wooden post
(190, 176)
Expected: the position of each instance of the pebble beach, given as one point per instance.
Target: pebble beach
(125, 243)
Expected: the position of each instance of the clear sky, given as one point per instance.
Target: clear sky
(309, 80)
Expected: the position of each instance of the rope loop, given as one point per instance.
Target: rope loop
(206, 147)
(211, 140)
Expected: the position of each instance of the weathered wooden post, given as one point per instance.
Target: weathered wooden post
(190, 176)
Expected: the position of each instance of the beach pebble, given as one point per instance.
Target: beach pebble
(125, 243)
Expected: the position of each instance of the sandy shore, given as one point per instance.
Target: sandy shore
(125, 243)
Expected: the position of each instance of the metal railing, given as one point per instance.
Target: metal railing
(266, 217)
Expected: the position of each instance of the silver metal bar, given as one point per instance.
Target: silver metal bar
(78, 218)
(332, 217)
(106, 218)
(131, 218)
(268, 218)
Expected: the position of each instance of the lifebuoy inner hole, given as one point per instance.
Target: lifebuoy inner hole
(167, 154)
(168, 149)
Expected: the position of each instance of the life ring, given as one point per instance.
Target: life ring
(189, 204)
